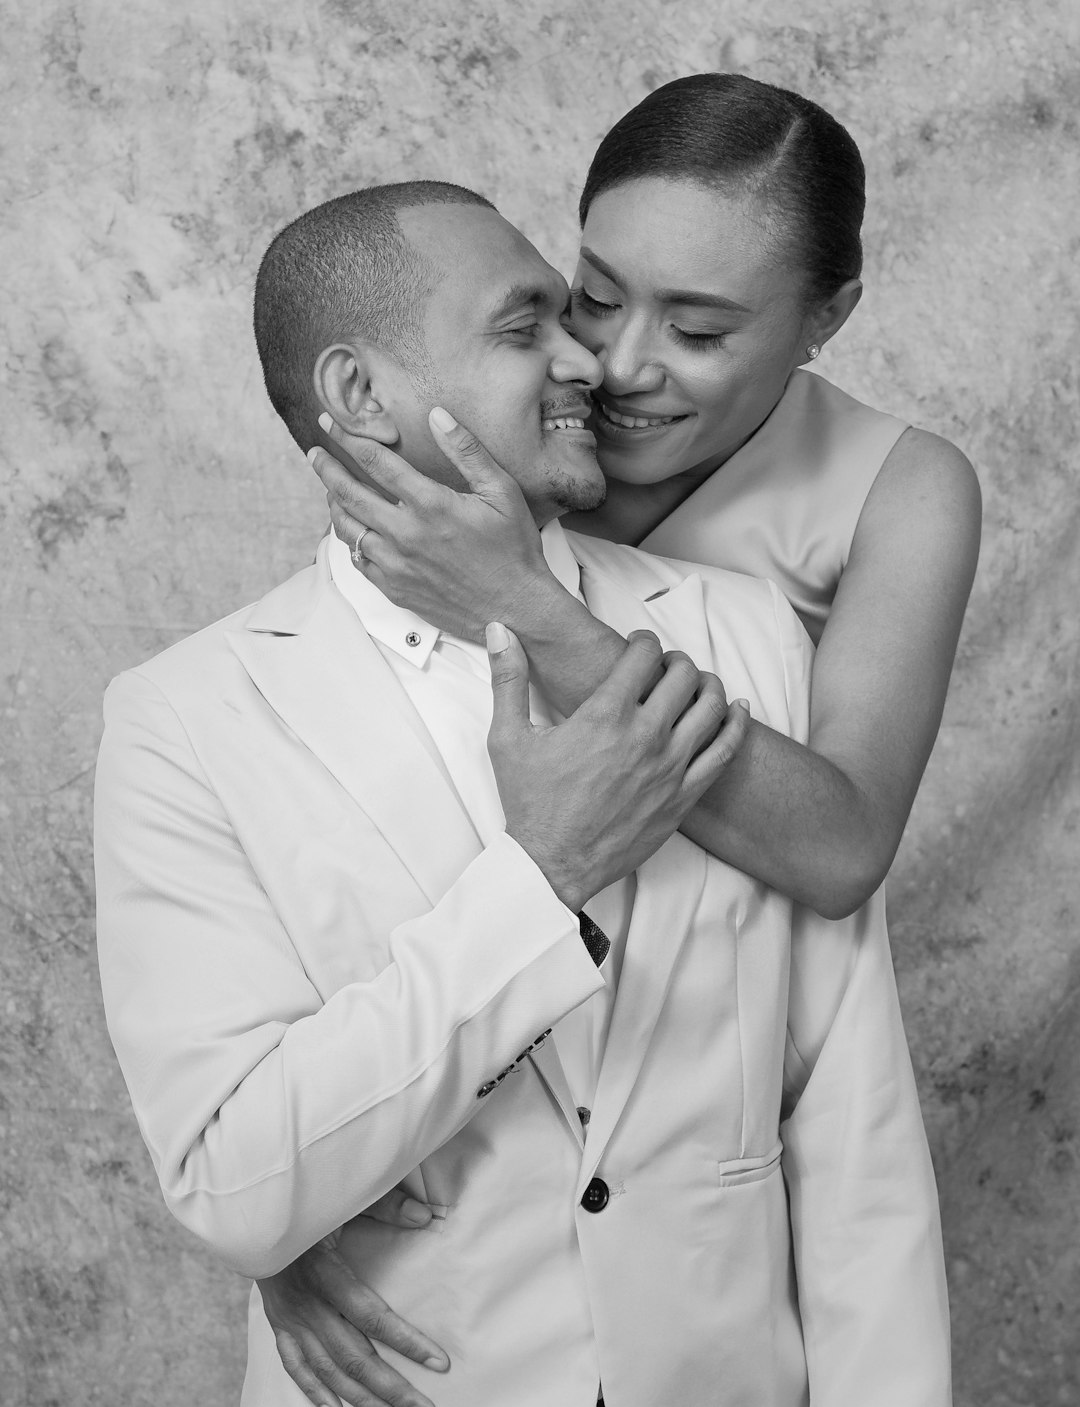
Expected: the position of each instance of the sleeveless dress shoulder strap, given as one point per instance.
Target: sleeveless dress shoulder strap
(786, 504)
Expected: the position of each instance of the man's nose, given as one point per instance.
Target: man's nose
(627, 363)
(573, 362)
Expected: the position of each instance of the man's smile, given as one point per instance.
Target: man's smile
(565, 414)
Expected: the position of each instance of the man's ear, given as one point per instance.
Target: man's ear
(348, 384)
(828, 318)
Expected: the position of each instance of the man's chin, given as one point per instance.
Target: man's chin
(589, 498)
(579, 494)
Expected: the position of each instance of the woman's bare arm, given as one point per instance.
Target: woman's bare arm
(826, 820)
(820, 823)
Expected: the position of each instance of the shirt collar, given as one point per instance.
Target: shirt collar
(408, 634)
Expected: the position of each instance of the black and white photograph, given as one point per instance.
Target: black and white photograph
(540, 826)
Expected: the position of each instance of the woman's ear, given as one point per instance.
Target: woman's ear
(348, 386)
(828, 318)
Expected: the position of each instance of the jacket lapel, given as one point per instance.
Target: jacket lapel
(669, 888)
(318, 669)
(635, 592)
(549, 1068)
(671, 881)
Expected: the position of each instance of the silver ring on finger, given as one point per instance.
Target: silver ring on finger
(357, 555)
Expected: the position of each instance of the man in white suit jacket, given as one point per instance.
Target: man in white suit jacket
(329, 960)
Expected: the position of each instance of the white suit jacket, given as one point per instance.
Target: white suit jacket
(313, 975)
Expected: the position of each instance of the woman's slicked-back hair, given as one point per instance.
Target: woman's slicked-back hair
(732, 133)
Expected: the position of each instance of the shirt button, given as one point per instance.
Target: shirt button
(412, 638)
(486, 1089)
(595, 1196)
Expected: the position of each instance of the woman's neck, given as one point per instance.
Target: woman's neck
(631, 511)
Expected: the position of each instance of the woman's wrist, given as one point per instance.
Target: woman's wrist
(569, 650)
(539, 608)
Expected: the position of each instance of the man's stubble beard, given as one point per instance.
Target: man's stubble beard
(564, 492)
(572, 495)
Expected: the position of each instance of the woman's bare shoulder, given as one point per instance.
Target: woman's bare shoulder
(920, 456)
(924, 478)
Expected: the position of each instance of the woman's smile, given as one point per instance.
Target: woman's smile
(624, 424)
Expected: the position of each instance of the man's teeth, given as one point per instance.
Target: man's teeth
(637, 422)
(563, 422)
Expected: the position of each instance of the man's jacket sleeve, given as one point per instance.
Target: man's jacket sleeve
(272, 1114)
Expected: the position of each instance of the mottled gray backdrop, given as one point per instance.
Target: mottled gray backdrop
(149, 151)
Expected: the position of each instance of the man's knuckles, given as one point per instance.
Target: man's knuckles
(683, 673)
(644, 648)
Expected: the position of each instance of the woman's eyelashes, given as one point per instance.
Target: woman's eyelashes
(700, 341)
(580, 298)
(583, 301)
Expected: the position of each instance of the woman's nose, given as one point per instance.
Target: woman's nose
(628, 368)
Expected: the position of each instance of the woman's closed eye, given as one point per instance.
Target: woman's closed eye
(702, 341)
(593, 306)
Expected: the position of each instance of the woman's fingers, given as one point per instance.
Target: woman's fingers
(356, 499)
(397, 1208)
(392, 476)
(387, 1327)
(362, 1308)
(346, 1364)
(302, 1374)
(349, 530)
(465, 452)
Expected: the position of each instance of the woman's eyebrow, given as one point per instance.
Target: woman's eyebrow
(697, 299)
(598, 264)
(687, 296)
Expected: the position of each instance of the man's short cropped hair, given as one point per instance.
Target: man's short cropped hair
(342, 271)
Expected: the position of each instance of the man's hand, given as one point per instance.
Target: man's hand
(322, 1316)
(457, 559)
(593, 797)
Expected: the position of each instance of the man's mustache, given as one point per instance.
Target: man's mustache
(578, 404)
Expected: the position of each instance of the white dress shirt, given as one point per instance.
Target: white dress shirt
(448, 680)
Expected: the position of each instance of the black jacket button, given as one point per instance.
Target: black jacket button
(595, 1196)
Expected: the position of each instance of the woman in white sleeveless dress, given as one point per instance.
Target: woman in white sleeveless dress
(720, 252)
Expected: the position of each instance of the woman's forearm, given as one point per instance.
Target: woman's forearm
(796, 821)
(781, 813)
(570, 652)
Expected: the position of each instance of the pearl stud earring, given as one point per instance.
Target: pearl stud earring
(812, 351)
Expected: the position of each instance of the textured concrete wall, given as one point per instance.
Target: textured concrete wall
(149, 151)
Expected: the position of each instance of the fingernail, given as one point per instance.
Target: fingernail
(312, 454)
(415, 1212)
(442, 419)
(326, 422)
(439, 1364)
(744, 703)
(497, 638)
